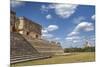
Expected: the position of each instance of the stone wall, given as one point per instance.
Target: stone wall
(29, 28)
(12, 21)
(20, 46)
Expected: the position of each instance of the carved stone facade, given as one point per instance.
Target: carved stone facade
(27, 27)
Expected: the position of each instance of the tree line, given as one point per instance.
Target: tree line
(85, 49)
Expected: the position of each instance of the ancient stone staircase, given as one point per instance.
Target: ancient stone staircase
(28, 57)
(40, 45)
(44, 46)
(22, 50)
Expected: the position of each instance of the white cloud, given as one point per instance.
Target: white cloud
(44, 8)
(73, 33)
(52, 27)
(47, 36)
(93, 17)
(92, 38)
(50, 37)
(73, 38)
(56, 39)
(15, 3)
(77, 20)
(86, 26)
(65, 10)
(62, 10)
(83, 26)
(78, 41)
(48, 16)
(46, 32)
(75, 41)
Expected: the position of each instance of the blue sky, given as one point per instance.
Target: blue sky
(69, 24)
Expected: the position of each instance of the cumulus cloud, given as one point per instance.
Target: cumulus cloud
(46, 32)
(62, 10)
(52, 27)
(50, 37)
(79, 19)
(73, 33)
(54, 39)
(48, 16)
(93, 17)
(86, 26)
(75, 41)
(72, 38)
(65, 10)
(47, 36)
(57, 38)
(92, 38)
(44, 8)
(83, 26)
(15, 3)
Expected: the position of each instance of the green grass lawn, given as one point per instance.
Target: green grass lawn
(72, 58)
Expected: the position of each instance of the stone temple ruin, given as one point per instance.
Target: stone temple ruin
(26, 41)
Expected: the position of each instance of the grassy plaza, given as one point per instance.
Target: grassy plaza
(71, 58)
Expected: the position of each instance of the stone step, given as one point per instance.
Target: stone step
(16, 60)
